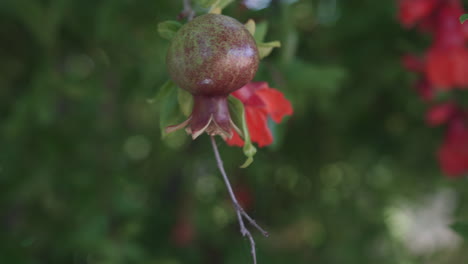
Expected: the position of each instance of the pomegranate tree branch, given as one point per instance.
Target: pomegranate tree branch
(241, 214)
(245, 232)
(188, 11)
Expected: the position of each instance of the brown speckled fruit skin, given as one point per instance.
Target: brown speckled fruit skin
(213, 55)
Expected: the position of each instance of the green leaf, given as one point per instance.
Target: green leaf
(215, 10)
(463, 18)
(237, 110)
(223, 3)
(163, 92)
(264, 49)
(260, 31)
(168, 29)
(185, 102)
(169, 110)
(461, 228)
(206, 3)
(250, 26)
(213, 4)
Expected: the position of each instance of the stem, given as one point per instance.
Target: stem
(188, 10)
(241, 214)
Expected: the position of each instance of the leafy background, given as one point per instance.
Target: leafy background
(85, 177)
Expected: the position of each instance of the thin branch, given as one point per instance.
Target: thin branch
(245, 232)
(252, 221)
(188, 11)
(241, 214)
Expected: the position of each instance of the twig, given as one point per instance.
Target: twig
(245, 232)
(188, 11)
(241, 214)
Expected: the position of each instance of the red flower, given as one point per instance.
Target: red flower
(447, 59)
(414, 11)
(453, 154)
(441, 114)
(445, 67)
(260, 102)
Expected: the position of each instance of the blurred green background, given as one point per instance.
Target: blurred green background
(85, 177)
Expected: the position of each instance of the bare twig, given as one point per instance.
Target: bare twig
(241, 214)
(188, 11)
(245, 232)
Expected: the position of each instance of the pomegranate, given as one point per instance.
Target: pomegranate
(210, 57)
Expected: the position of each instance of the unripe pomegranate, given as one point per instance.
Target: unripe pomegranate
(210, 57)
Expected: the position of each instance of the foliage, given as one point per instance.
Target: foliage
(240, 121)
(463, 18)
(85, 178)
(167, 29)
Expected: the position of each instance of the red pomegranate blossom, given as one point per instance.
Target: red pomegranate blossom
(446, 65)
(447, 59)
(414, 11)
(260, 102)
(441, 114)
(443, 67)
(453, 153)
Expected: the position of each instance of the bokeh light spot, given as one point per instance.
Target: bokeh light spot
(137, 147)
